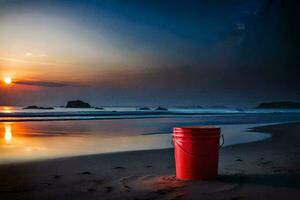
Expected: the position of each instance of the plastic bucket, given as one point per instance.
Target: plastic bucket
(196, 152)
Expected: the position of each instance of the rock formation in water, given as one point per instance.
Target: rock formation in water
(77, 104)
(161, 108)
(38, 108)
(280, 104)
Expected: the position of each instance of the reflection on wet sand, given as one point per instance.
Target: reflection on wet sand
(15, 144)
(7, 133)
(22, 141)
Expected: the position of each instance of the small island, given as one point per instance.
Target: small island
(279, 104)
(77, 104)
(161, 108)
(37, 108)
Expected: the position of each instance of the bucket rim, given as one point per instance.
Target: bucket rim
(196, 131)
(196, 128)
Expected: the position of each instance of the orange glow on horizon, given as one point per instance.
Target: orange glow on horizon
(6, 109)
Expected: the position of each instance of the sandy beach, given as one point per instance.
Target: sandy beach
(267, 169)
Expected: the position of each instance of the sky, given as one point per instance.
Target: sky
(136, 53)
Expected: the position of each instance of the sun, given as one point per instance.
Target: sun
(8, 80)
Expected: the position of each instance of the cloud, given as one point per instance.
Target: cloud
(25, 61)
(28, 54)
(42, 83)
(32, 55)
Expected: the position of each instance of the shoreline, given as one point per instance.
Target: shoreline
(233, 133)
(41, 115)
(266, 169)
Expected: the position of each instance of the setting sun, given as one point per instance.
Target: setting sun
(7, 80)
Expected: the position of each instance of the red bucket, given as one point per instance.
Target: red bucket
(196, 152)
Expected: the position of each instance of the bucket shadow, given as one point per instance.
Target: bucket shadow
(275, 180)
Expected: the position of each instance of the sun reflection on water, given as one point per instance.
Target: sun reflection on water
(7, 133)
(21, 142)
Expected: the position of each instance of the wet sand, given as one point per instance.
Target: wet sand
(268, 169)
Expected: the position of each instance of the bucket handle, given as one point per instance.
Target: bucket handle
(223, 141)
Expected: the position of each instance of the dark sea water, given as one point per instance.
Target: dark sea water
(44, 134)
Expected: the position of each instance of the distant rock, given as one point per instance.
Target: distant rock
(99, 108)
(77, 104)
(38, 108)
(161, 108)
(31, 107)
(280, 104)
(143, 108)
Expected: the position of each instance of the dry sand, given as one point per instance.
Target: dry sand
(268, 169)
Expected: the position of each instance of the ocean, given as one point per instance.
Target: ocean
(28, 135)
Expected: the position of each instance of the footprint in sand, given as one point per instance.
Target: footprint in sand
(283, 169)
(123, 182)
(109, 189)
(171, 193)
(86, 173)
(127, 188)
(264, 163)
(57, 176)
(164, 191)
(157, 186)
(91, 190)
(119, 168)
